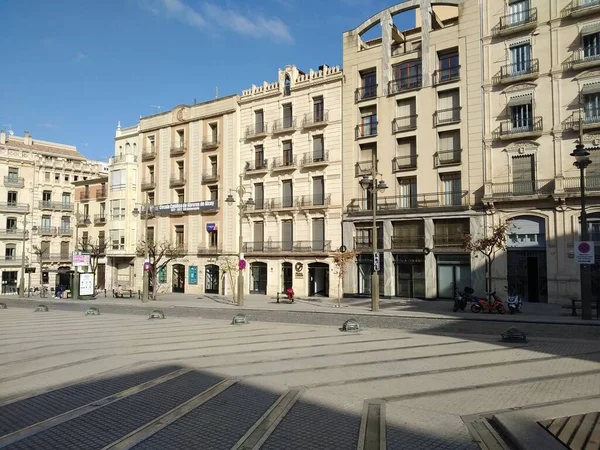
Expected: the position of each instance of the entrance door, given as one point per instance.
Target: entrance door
(211, 281)
(286, 275)
(101, 280)
(9, 282)
(63, 278)
(258, 272)
(454, 272)
(318, 279)
(410, 276)
(179, 278)
(527, 274)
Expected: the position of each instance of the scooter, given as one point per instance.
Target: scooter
(460, 301)
(514, 300)
(482, 304)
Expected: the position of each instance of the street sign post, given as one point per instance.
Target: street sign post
(584, 252)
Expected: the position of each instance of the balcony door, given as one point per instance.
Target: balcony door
(259, 195)
(259, 236)
(407, 189)
(451, 188)
(287, 194)
(287, 235)
(591, 107)
(520, 59)
(318, 191)
(523, 170)
(287, 116)
(407, 75)
(518, 12)
(591, 45)
(318, 234)
(521, 117)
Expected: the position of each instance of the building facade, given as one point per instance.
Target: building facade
(292, 168)
(412, 109)
(541, 94)
(38, 205)
(179, 166)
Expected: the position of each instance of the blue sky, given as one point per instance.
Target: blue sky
(73, 68)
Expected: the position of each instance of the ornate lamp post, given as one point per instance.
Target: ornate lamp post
(582, 160)
(370, 183)
(146, 207)
(242, 206)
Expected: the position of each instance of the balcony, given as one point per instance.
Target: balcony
(447, 75)
(211, 143)
(458, 200)
(47, 231)
(366, 130)
(520, 71)
(403, 163)
(448, 241)
(207, 249)
(365, 93)
(122, 159)
(56, 206)
(315, 120)
(447, 158)
(14, 207)
(406, 123)
(12, 233)
(83, 221)
(405, 84)
(586, 57)
(513, 189)
(257, 167)
(283, 203)
(14, 260)
(99, 219)
(362, 243)
(148, 184)
(257, 131)
(287, 247)
(14, 181)
(176, 181)
(63, 206)
(363, 168)
(316, 158)
(260, 205)
(65, 231)
(408, 242)
(211, 177)
(515, 129)
(284, 125)
(148, 155)
(58, 257)
(178, 150)
(313, 201)
(282, 163)
(592, 185)
(447, 116)
(84, 196)
(517, 22)
(590, 119)
(100, 194)
(581, 8)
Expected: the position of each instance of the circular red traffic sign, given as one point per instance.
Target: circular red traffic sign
(584, 247)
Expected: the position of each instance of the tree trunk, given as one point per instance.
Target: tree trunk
(339, 293)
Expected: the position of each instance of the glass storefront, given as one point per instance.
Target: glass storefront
(453, 272)
(364, 263)
(410, 275)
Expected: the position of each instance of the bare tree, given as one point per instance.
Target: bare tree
(160, 254)
(95, 248)
(40, 252)
(341, 260)
(488, 246)
(229, 266)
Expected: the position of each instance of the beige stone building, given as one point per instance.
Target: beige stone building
(541, 62)
(292, 165)
(412, 102)
(38, 187)
(183, 163)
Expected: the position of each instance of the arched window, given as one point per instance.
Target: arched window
(287, 86)
(526, 231)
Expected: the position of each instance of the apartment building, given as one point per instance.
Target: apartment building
(292, 167)
(412, 108)
(38, 205)
(541, 92)
(179, 166)
(90, 221)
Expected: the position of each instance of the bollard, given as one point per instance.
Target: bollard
(104, 292)
(278, 297)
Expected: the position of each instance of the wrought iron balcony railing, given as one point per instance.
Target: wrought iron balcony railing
(313, 201)
(366, 242)
(177, 180)
(514, 128)
(517, 20)
(208, 249)
(315, 158)
(13, 233)
(100, 194)
(529, 187)
(448, 157)
(14, 207)
(210, 177)
(257, 165)
(366, 129)
(148, 155)
(408, 83)
(65, 231)
(257, 130)
(405, 123)
(14, 181)
(401, 163)
(520, 69)
(446, 75)
(408, 242)
(365, 93)
(148, 184)
(284, 162)
(448, 240)
(315, 119)
(99, 219)
(211, 143)
(12, 260)
(46, 230)
(582, 7)
(284, 124)
(452, 199)
(291, 246)
(178, 150)
(447, 116)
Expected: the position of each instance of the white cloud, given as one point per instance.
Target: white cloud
(251, 25)
(79, 56)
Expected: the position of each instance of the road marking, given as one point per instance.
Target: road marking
(77, 412)
(256, 436)
(372, 426)
(154, 426)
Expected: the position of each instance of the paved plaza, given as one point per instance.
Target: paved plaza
(71, 381)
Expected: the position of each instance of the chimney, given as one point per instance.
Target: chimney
(2, 137)
(27, 138)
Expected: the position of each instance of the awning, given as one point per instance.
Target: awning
(590, 88)
(591, 28)
(520, 100)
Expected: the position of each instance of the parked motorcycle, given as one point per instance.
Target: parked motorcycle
(460, 300)
(514, 300)
(482, 304)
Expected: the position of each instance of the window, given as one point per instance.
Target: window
(47, 177)
(214, 193)
(288, 157)
(448, 107)
(57, 177)
(406, 153)
(45, 248)
(259, 157)
(287, 116)
(117, 239)
(287, 194)
(318, 148)
(46, 196)
(102, 210)
(117, 209)
(181, 138)
(151, 144)
(591, 45)
(10, 251)
(407, 189)
(75, 177)
(406, 76)
(318, 234)
(101, 240)
(259, 121)
(151, 174)
(118, 180)
(11, 198)
(523, 174)
(13, 174)
(318, 189)
(64, 250)
(451, 189)
(518, 12)
(520, 59)
(214, 170)
(448, 66)
(67, 177)
(180, 195)
(65, 223)
(287, 85)
(180, 171)
(259, 196)
(521, 117)
(591, 107)
(86, 211)
(368, 85)
(46, 224)
(150, 235)
(179, 236)
(449, 147)
(11, 223)
(259, 236)
(213, 238)
(287, 235)
(66, 198)
(214, 132)
(368, 123)
(449, 232)
(318, 109)
(151, 198)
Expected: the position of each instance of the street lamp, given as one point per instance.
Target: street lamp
(86, 221)
(370, 183)
(146, 206)
(22, 279)
(242, 206)
(582, 160)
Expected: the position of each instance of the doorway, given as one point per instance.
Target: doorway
(258, 272)
(410, 276)
(9, 282)
(454, 272)
(179, 278)
(211, 279)
(364, 262)
(286, 276)
(318, 279)
(101, 276)
(63, 278)
(527, 275)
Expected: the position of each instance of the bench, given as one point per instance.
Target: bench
(124, 293)
(576, 304)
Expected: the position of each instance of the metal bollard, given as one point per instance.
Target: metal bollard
(278, 297)
(139, 294)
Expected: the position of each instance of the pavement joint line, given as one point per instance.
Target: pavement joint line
(380, 361)
(256, 436)
(85, 409)
(582, 373)
(447, 370)
(372, 434)
(144, 432)
(50, 369)
(484, 435)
